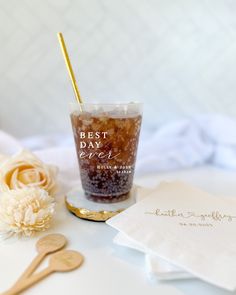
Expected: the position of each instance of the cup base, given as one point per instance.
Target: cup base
(107, 199)
(77, 203)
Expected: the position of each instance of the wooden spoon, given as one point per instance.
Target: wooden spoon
(62, 261)
(46, 245)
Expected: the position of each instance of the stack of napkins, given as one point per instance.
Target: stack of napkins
(184, 232)
(156, 267)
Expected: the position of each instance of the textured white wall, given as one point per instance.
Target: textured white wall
(178, 56)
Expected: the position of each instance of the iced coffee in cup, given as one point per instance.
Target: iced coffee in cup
(106, 138)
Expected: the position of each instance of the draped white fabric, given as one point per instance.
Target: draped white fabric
(180, 144)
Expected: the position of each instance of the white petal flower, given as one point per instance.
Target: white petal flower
(25, 211)
(25, 170)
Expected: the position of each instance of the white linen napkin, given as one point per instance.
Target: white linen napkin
(8, 144)
(187, 227)
(177, 144)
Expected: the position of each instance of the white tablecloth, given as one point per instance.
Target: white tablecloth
(110, 269)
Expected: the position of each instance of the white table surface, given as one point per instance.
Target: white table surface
(110, 269)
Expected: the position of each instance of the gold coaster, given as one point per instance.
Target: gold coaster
(79, 205)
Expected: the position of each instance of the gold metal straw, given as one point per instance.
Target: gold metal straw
(69, 67)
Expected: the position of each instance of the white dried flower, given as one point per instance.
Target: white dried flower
(25, 170)
(25, 211)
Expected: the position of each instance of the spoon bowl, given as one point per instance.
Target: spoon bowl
(51, 243)
(65, 260)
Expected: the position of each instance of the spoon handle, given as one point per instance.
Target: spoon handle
(28, 282)
(31, 268)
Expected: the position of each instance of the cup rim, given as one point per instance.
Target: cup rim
(107, 103)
